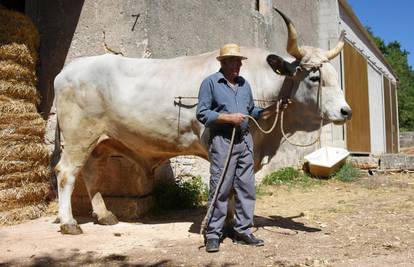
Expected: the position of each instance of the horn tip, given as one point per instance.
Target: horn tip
(285, 18)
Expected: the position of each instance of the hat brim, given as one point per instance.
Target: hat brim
(220, 58)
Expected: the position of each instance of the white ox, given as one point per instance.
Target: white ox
(129, 105)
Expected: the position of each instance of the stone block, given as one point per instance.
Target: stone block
(406, 139)
(364, 163)
(397, 162)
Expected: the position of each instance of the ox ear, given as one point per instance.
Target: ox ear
(281, 66)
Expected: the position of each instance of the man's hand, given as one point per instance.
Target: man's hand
(233, 118)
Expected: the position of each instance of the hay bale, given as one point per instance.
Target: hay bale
(18, 53)
(9, 166)
(23, 139)
(26, 152)
(21, 178)
(14, 72)
(18, 28)
(7, 106)
(30, 212)
(24, 159)
(28, 194)
(19, 90)
(32, 119)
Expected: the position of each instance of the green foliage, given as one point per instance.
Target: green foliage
(347, 173)
(397, 57)
(282, 176)
(186, 193)
(287, 176)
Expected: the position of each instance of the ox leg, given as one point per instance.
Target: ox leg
(66, 176)
(91, 176)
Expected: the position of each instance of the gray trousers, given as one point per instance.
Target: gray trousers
(240, 176)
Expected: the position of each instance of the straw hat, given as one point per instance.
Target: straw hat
(230, 50)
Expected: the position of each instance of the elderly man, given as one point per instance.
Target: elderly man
(225, 98)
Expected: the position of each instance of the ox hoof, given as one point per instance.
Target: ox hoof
(108, 219)
(57, 220)
(70, 229)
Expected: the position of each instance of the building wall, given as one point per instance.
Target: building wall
(332, 135)
(379, 111)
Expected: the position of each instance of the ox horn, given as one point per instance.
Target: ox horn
(292, 43)
(337, 49)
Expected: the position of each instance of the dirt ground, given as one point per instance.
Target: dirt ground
(369, 222)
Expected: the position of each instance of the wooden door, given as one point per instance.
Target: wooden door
(358, 134)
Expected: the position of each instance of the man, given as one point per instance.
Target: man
(225, 98)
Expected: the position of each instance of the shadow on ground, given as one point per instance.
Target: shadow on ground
(195, 216)
(285, 223)
(89, 258)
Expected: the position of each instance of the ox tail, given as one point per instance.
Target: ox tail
(55, 157)
(57, 150)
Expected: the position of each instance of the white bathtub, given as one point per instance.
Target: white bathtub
(326, 160)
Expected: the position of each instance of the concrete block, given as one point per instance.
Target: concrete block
(397, 162)
(364, 163)
(406, 139)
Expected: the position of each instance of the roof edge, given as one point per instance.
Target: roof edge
(354, 18)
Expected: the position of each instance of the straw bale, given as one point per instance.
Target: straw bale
(20, 179)
(24, 158)
(11, 143)
(28, 194)
(18, 215)
(19, 138)
(19, 90)
(27, 152)
(10, 131)
(30, 131)
(7, 105)
(12, 71)
(12, 166)
(17, 28)
(18, 53)
(25, 119)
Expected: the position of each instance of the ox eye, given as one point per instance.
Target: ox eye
(314, 79)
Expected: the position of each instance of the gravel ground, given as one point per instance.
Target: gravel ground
(369, 222)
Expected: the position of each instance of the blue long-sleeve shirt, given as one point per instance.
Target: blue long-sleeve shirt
(216, 96)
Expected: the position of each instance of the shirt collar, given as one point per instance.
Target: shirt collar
(222, 79)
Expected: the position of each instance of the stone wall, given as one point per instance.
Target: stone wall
(161, 29)
(406, 139)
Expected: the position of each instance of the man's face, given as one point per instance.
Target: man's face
(231, 66)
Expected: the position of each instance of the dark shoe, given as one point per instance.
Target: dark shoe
(250, 240)
(212, 245)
